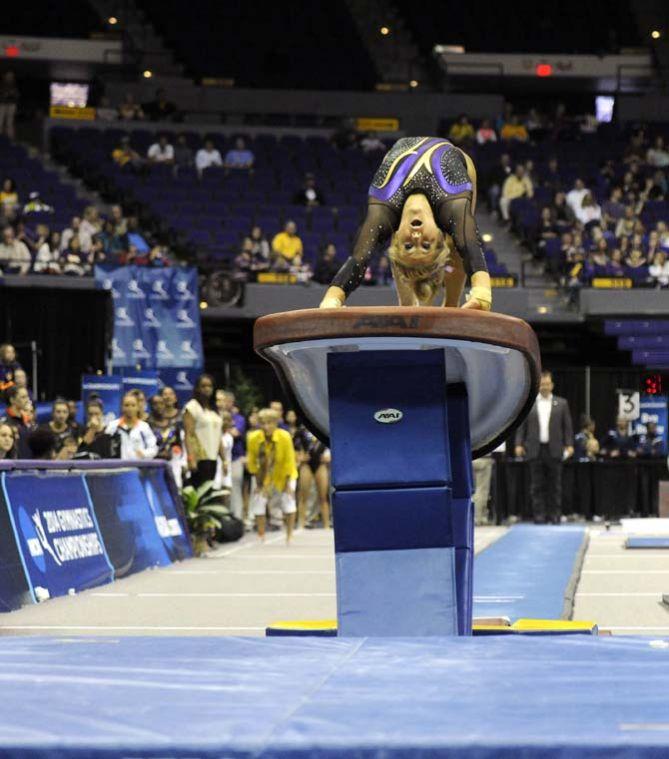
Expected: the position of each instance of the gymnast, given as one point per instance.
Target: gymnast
(422, 201)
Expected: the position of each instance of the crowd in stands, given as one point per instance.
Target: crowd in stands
(582, 222)
(267, 463)
(33, 243)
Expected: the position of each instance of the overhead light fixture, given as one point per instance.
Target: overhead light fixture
(656, 34)
(413, 83)
(487, 237)
(384, 31)
(147, 74)
(112, 20)
(203, 304)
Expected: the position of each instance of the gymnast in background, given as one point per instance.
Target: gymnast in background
(421, 204)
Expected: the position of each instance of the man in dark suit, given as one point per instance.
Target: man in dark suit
(545, 438)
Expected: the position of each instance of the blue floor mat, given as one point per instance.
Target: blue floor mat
(647, 543)
(295, 697)
(527, 572)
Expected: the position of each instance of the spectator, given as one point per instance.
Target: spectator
(73, 260)
(129, 110)
(21, 378)
(35, 204)
(41, 444)
(244, 262)
(563, 216)
(134, 237)
(576, 194)
(659, 269)
(58, 425)
(326, 265)
(545, 438)
(27, 235)
(651, 444)
(313, 460)
(14, 254)
(658, 155)
(8, 365)
(461, 131)
(225, 403)
(552, 178)
(371, 143)
(658, 186)
(120, 224)
(600, 258)
(207, 157)
(637, 267)
(383, 274)
(613, 208)
(224, 468)
(616, 265)
(309, 195)
(183, 154)
(16, 414)
(625, 225)
(517, 185)
(482, 469)
(586, 445)
(287, 246)
(619, 443)
(9, 198)
(161, 151)
(95, 442)
(271, 462)
(166, 431)
(534, 123)
(171, 405)
(260, 246)
(126, 157)
(113, 244)
(588, 212)
(89, 226)
(546, 230)
(137, 440)
(496, 179)
(160, 109)
(514, 131)
(9, 98)
(141, 403)
(203, 430)
(485, 133)
(239, 157)
(7, 442)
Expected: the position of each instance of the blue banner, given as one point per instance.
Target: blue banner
(156, 316)
(146, 381)
(653, 408)
(109, 391)
(56, 533)
(65, 530)
(182, 381)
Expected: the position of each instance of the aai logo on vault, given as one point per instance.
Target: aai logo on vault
(388, 415)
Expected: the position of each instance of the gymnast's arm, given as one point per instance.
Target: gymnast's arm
(457, 219)
(376, 230)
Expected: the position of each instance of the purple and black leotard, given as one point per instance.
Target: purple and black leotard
(435, 168)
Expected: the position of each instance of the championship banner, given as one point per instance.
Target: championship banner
(146, 381)
(653, 408)
(156, 316)
(109, 391)
(56, 534)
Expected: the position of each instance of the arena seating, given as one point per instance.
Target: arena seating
(647, 339)
(216, 212)
(30, 175)
(315, 50)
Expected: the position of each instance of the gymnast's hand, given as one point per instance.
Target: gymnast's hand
(334, 298)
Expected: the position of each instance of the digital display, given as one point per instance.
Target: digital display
(69, 94)
(604, 105)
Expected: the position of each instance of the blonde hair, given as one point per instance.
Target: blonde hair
(424, 276)
(268, 415)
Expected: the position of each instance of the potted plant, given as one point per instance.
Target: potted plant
(205, 509)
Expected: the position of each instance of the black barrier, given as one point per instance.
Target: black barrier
(606, 489)
(68, 526)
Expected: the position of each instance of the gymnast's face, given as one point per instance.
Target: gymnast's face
(418, 232)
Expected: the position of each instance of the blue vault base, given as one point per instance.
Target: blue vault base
(369, 697)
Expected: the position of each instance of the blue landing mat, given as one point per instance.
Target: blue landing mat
(527, 572)
(647, 543)
(295, 697)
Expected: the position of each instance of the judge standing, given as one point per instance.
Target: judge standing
(545, 439)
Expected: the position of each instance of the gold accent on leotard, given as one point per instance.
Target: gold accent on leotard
(404, 154)
(423, 161)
